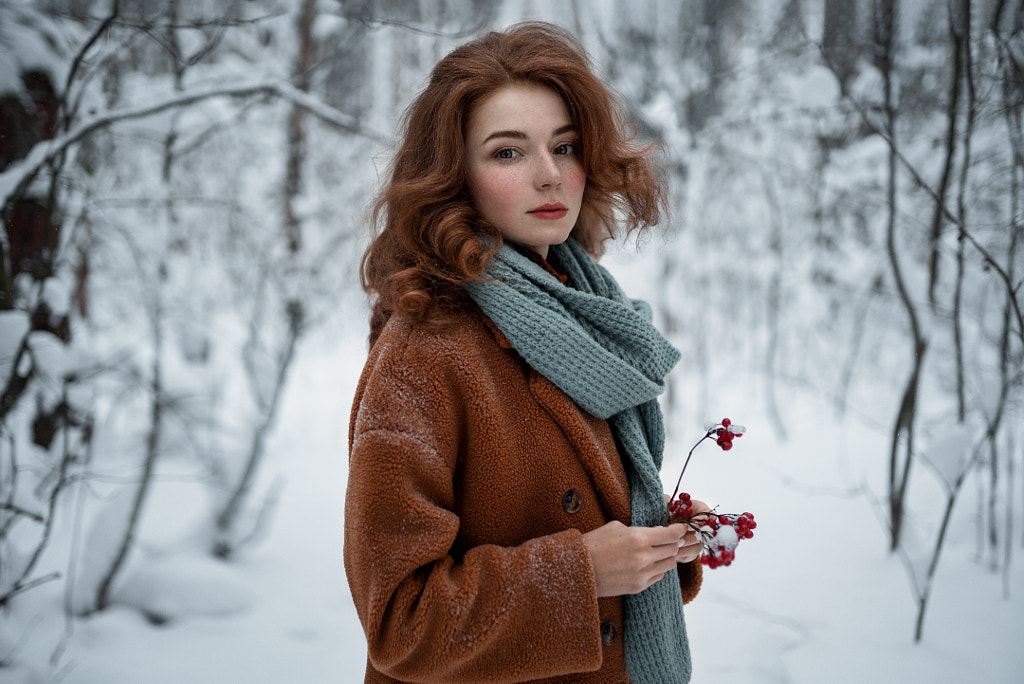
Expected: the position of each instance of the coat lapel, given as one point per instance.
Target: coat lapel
(591, 439)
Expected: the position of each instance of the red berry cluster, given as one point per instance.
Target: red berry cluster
(726, 433)
(720, 533)
(680, 509)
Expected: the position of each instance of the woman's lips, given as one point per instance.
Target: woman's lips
(550, 212)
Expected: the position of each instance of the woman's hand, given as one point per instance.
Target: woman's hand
(627, 560)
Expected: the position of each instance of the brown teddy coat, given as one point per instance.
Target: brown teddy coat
(472, 479)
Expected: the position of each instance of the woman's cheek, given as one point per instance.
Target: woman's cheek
(578, 179)
(502, 192)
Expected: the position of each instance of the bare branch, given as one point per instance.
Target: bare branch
(22, 587)
(19, 174)
(17, 510)
(68, 113)
(405, 26)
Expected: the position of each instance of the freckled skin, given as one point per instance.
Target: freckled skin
(522, 155)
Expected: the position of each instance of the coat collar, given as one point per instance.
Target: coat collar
(499, 336)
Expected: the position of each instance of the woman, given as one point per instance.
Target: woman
(504, 515)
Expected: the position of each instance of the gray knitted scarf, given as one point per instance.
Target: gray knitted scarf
(601, 349)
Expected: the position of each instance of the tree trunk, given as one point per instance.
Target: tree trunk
(938, 218)
(884, 27)
(296, 134)
(967, 70)
(774, 305)
(839, 38)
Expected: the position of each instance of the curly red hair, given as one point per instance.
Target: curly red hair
(429, 240)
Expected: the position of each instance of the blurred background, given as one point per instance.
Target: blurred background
(184, 189)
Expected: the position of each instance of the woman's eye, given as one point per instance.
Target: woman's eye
(566, 149)
(506, 153)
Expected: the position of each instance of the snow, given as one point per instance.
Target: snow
(182, 587)
(31, 42)
(813, 597)
(725, 537)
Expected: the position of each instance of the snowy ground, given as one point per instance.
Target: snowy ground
(813, 598)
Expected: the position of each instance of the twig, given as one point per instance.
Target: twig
(17, 510)
(22, 587)
(687, 461)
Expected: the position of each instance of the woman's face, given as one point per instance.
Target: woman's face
(525, 174)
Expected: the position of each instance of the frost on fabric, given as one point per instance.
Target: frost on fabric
(550, 574)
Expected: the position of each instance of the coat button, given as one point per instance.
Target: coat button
(609, 633)
(572, 501)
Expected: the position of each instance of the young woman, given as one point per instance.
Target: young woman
(504, 519)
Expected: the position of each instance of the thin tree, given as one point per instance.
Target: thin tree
(152, 452)
(960, 26)
(952, 109)
(884, 32)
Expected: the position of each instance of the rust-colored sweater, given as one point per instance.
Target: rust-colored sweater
(472, 479)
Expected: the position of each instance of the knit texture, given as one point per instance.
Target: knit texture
(602, 350)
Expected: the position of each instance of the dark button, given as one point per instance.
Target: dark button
(609, 633)
(572, 501)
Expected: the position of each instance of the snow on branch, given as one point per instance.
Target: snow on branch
(23, 171)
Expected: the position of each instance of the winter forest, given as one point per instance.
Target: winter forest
(184, 188)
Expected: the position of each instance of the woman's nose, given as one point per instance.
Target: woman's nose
(547, 173)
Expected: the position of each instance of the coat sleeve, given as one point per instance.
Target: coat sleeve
(691, 576)
(491, 613)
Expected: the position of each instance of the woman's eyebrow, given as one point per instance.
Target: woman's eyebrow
(519, 135)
